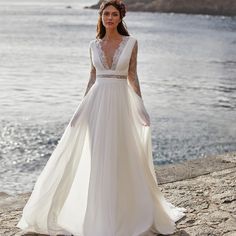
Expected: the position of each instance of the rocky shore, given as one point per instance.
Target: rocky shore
(206, 187)
(209, 7)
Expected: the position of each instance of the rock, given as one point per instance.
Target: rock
(209, 7)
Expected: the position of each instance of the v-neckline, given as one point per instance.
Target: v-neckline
(116, 55)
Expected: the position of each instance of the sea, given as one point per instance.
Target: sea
(186, 69)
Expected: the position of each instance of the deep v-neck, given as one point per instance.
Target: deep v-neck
(116, 55)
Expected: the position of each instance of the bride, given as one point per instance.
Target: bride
(100, 179)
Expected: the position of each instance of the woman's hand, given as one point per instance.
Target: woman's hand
(72, 123)
(142, 112)
(145, 119)
(75, 117)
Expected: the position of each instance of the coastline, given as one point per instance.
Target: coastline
(211, 7)
(205, 186)
(193, 168)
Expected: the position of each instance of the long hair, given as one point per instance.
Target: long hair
(121, 27)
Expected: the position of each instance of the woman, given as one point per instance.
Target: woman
(100, 179)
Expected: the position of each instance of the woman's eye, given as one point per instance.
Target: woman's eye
(107, 14)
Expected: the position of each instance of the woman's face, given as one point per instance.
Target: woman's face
(110, 17)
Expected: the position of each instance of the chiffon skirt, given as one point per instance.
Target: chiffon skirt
(100, 179)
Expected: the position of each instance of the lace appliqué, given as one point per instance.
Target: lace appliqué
(116, 55)
(92, 77)
(132, 73)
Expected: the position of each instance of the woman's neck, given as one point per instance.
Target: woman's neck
(112, 35)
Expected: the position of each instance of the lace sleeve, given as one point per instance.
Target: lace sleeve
(134, 82)
(92, 76)
(132, 73)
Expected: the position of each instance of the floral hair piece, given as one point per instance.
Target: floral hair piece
(118, 3)
(122, 7)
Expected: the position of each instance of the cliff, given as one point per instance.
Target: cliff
(210, 7)
(206, 187)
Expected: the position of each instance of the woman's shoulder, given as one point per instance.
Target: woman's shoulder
(133, 39)
(91, 42)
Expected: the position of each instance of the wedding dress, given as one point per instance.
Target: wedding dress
(100, 179)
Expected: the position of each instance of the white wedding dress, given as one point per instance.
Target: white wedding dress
(100, 179)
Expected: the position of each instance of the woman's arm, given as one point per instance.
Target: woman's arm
(134, 82)
(132, 73)
(92, 77)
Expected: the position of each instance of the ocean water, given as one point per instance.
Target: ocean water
(186, 68)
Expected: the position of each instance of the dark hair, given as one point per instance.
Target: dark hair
(121, 28)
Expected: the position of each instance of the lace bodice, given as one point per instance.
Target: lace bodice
(123, 62)
(114, 58)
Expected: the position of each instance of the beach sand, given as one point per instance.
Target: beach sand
(206, 187)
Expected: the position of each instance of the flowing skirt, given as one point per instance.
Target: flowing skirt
(100, 179)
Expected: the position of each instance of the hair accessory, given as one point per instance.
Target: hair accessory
(122, 7)
(118, 4)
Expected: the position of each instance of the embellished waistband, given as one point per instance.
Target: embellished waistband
(110, 81)
(124, 77)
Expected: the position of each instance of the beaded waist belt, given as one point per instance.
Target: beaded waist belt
(112, 76)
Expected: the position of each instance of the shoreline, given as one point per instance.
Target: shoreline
(212, 7)
(206, 187)
(193, 168)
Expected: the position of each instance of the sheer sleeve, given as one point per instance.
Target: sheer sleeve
(134, 82)
(92, 77)
(132, 73)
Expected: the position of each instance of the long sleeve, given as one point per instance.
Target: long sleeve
(92, 77)
(134, 82)
(132, 73)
